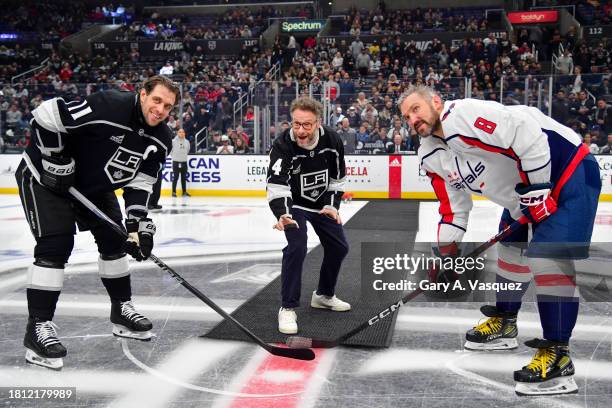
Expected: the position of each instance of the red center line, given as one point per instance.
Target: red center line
(278, 375)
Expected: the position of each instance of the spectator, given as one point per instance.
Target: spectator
(347, 89)
(225, 147)
(291, 50)
(353, 117)
(583, 108)
(224, 113)
(310, 42)
(379, 146)
(66, 73)
(172, 123)
(362, 62)
(369, 114)
(202, 118)
(362, 135)
(348, 137)
(603, 117)
(179, 153)
(397, 127)
(560, 107)
(332, 88)
(240, 147)
(362, 101)
(336, 117)
(604, 88)
(593, 148)
(356, 47)
(565, 63)
(13, 117)
(577, 80)
(242, 135)
(386, 115)
(398, 146)
(607, 149)
(215, 143)
(337, 61)
(375, 64)
(167, 69)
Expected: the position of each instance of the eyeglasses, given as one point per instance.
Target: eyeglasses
(305, 125)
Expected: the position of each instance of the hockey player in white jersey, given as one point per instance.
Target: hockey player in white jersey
(544, 177)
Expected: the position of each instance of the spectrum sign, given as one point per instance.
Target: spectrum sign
(297, 26)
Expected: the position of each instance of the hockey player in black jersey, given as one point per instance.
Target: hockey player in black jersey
(305, 183)
(111, 140)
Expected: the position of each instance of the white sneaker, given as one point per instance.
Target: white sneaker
(326, 302)
(287, 321)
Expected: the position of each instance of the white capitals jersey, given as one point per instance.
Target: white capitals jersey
(487, 150)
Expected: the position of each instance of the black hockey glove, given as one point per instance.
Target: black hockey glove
(58, 173)
(140, 238)
(443, 272)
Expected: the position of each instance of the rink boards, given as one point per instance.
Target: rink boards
(393, 176)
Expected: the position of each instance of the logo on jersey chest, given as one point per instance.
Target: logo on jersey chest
(118, 138)
(466, 176)
(313, 185)
(123, 165)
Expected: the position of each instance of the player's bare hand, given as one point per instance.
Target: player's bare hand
(283, 223)
(331, 213)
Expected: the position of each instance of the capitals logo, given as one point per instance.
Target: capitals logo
(462, 179)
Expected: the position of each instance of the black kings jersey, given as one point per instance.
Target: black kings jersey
(306, 179)
(108, 138)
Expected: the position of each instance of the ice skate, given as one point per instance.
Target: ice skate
(43, 348)
(127, 322)
(498, 332)
(550, 372)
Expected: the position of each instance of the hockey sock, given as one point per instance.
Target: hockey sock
(558, 316)
(41, 303)
(510, 301)
(119, 289)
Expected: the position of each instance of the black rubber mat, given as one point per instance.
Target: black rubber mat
(379, 221)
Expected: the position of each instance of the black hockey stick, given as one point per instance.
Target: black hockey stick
(300, 342)
(296, 353)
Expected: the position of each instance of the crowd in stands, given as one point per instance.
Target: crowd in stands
(588, 12)
(236, 23)
(48, 19)
(360, 80)
(412, 21)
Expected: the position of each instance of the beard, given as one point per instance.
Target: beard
(429, 126)
(305, 141)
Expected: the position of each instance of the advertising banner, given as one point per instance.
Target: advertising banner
(302, 26)
(395, 176)
(170, 48)
(533, 17)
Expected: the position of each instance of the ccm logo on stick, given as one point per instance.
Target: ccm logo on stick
(385, 313)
